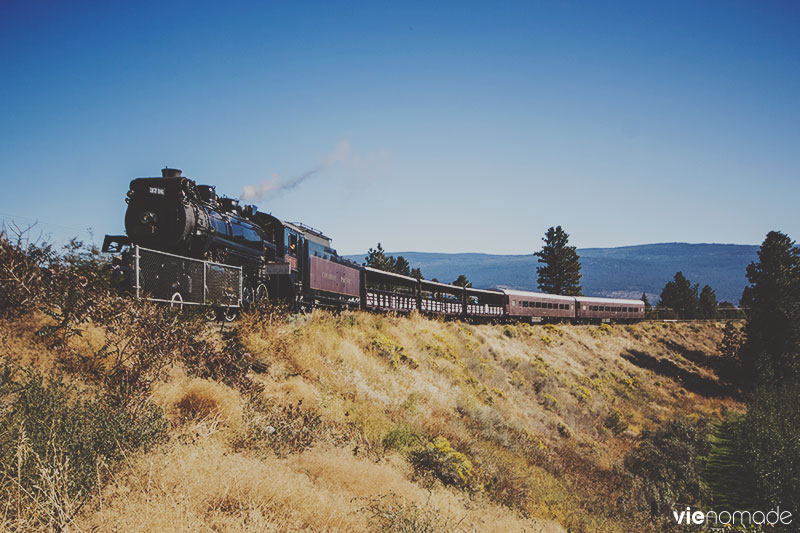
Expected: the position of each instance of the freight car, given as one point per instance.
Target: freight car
(187, 246)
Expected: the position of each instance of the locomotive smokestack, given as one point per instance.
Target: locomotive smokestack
(170, 172)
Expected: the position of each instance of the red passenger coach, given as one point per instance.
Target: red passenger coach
(538, 306)
(607, 309)
(333, 277)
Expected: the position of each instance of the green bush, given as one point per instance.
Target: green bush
(616, 422)
(56, 447)
(769, 442)
(394, 352)
(438, 458)
(668, 465)
(401, 438)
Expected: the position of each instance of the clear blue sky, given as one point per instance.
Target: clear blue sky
(443, 127)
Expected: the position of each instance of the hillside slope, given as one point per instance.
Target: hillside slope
(375, 422)
(626, 271)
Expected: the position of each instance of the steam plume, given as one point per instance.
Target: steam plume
(277, 184)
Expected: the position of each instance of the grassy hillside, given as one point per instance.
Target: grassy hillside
(353, 422)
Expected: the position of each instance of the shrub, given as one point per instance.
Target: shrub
(394, 352)
(769, 441)
(549, 401)
(401, 438)
(615, 422)
(438, 458)
(53, 448)
(584, 394)
(77, 289)
(555, 330)
(22, 276)
(143, 340)
(668, 465)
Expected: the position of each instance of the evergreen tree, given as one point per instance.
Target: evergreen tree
(462, 281)
(560, 272)
(401, 266)
(773, 296)
(647, 306)
(708, 302)
(680, 296)
(377, 259)
(416, 273)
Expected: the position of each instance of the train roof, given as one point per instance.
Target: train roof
(485, 291)
(530, 294)
(592, 299)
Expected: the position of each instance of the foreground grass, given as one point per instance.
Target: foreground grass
(400, 423)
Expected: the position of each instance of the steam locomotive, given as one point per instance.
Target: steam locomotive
(278, 260)
(183, 241)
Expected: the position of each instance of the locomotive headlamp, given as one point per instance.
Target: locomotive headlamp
(148, 217)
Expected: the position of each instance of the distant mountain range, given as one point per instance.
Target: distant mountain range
(627, 271)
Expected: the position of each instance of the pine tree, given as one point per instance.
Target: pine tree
(773, 325)
(680, 296)
(401, 266)
(416, 273)
(377, 259)
(647, 306)
(708, 302)
(560, 272)
(462, 281)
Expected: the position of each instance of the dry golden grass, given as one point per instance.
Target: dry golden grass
(20, 344)
(527, 405)
(205, 487)
(196, 399)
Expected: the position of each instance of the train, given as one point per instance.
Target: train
(186, 244)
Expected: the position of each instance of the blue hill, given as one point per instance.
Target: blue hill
(626, 271)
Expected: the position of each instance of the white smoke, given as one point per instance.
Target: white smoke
(276, 183)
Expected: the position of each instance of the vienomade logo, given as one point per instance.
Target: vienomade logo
(713, 519)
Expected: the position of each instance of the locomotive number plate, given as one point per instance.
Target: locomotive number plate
(277, 269)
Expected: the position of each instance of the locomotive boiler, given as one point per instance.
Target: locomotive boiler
(172, 214)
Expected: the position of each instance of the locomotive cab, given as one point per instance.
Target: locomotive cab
(207, 194)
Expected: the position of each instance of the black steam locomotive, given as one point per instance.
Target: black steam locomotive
(175, 216)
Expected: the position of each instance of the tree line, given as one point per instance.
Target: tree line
(377, 258)
(559, 272)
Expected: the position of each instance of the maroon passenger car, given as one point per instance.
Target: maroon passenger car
(607, 309)
(538, 306)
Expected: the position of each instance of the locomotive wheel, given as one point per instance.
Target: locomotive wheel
(248, 295)
(261, 292)
(176, 300)
(229, 314)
